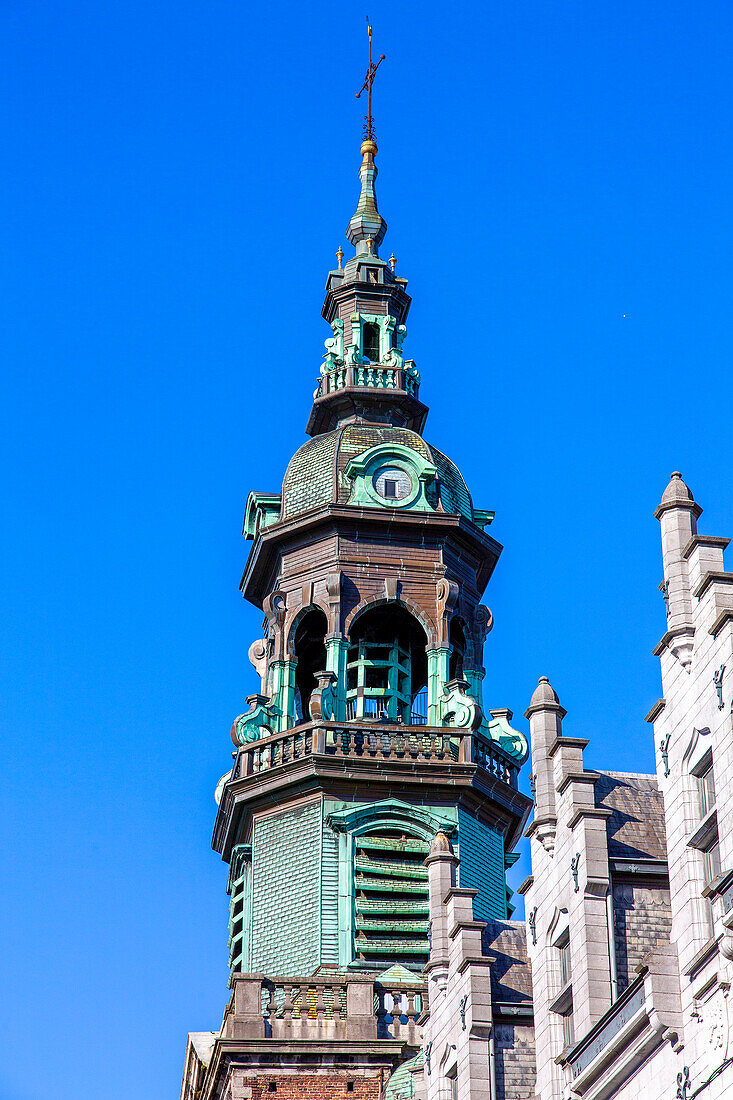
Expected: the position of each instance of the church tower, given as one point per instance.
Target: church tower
(369, 732)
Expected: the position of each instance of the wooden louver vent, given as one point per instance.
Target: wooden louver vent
(391, 900)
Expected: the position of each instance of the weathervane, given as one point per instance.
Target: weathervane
(368, 81)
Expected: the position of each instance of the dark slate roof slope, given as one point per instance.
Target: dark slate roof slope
(511, 977)
(635, 828)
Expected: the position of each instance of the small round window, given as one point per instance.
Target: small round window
(392, 483)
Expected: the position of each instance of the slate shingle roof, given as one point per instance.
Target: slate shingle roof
(315, 474)
(635, 828)
(511, 977)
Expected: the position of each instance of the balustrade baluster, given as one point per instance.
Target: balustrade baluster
(287, 1009)
(320, 1004)
(336, 993)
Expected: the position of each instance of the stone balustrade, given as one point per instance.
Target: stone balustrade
(370, 375)
(324, 1007)
(424, 744)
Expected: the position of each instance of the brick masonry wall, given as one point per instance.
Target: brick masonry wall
(315, 1086)
(642, 919)
(515, 1062)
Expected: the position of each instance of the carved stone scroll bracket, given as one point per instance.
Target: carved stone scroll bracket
(333, 597)
(322, 705)
(446, 597)
(257, 654)
(259, 721)
(457, 708)
(275, 608)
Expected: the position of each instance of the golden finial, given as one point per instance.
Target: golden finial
(339, 255)
(369, 243)
(393, 262)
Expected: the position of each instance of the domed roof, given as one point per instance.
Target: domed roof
(677, 495)
(676, 490)
(315, 474)
(544, 693)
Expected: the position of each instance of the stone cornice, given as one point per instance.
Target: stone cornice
(459, 892)
(538, 822)
(670, 636)
(526, 885)
(475, 960)
(656, 710)
(577, 777)
(704, 540)
(467, 926)
(552, 707)
(725, 616)
(714, 577)
(567, 742)
(683, 505)
(598, 812)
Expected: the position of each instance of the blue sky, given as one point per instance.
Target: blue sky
(557, 180)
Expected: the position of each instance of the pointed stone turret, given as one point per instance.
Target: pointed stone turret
(441, 863)
(678, 514)
(545, 724)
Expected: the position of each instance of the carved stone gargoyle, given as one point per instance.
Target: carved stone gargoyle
(457, 708)
(322, 704)
(259, 721)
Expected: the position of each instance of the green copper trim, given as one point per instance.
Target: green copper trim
(263, 509)
(337, 649)
(511, 741)
(475, 678)
(363, 470)
(482, 518)
(283, 692)
(437, 679)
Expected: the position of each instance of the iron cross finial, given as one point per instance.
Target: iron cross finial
(368, 81)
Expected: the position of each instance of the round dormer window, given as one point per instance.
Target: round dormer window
(392, 483)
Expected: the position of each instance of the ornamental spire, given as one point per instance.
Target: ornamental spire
(367, 224)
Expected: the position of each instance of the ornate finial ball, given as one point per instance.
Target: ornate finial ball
(339, 255)
(368, 146)
(369, 244)
(393, 262)
(676, 474)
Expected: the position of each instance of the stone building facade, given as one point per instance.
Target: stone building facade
(373, 804)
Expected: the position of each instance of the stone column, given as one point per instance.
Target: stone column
(438, 660)
(283, 691)
(337, 648)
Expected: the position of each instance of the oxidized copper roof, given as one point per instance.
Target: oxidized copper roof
(315, 474)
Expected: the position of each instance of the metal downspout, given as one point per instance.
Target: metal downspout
(611, 944)
(492, 1065)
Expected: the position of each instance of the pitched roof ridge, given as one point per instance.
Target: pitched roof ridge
(629, 775)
